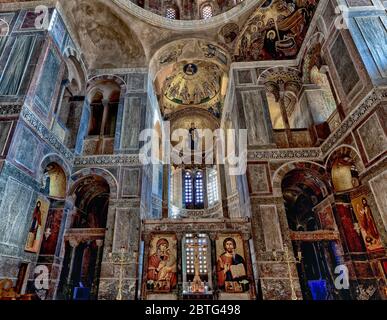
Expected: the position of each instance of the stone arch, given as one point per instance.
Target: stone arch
(54, 176)
(94, 81)
(76, 69)
(290, 73)
(281, 172)
(53, 157)
(89, 172)
(348, 150)
(344, 166)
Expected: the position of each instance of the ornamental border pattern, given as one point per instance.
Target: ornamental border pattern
(10, 109)
(372, 99)
(31, 119)
(108, 160)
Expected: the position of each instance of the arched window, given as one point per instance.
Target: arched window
(207, 11)
(188, 189)
(194, 190)
(171, 13)
(199, 194)
(212, 186)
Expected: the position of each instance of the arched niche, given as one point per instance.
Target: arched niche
(103, 95)
(311, 220)
(91, 199)
(54, 181)
(344, 165)
(70, 106)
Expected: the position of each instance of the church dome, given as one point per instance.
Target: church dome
(187, 9)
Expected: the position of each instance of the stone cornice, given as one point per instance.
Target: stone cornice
(284, 154)
(33, 121)
(373, 98)
(108, 160)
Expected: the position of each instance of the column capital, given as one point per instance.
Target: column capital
(99, 243)
(74, 242)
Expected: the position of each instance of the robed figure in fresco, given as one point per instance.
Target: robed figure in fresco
(162, 267)
(231, 267)
(36, 227)
(367, 220)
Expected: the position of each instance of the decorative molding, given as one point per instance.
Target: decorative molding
(10, 109)
(374, 98)
(213, 212)
(32, 120)
(192, 225)
(108, 160)
(285, 154)
(315, 235)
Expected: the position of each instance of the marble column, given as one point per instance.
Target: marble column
(97, 271)
(73, 247)
(276, 268)
(166, 190)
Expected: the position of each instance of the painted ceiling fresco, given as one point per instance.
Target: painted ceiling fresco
(105, 39)
(192, 84)
(276, 30)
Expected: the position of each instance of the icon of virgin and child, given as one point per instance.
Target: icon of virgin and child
(162, 267)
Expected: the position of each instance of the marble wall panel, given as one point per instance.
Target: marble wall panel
(271, 228)
(133, 115)
(5, 129)
(14, 213)
(374, 50)
(48, 82)
(344, 65)
(329, 14)
(257, 117)
(137, 82)
(279, 289)
(58, 30)
(83, 129)
(359, 3)
(14, 71)
(245, 77)
(258, 178)
(373, 137)
(121, 230)
(130, 183)
(27, 149)
(379, 190)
